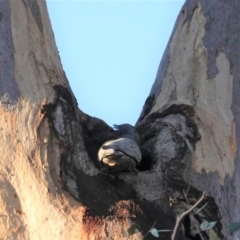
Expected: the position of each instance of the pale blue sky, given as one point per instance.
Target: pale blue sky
(111, 50)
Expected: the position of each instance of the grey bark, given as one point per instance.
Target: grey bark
(49, 147)
(220, 37)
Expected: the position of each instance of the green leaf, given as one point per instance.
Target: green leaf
(154, 232)
(213, 235)
(205, 225)
(233, 227)
(136, 230)
(211, 225)
(189, 145)
(133, 229)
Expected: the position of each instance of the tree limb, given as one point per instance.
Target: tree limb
(184, 214)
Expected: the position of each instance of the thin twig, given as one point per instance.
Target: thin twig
(197, 227)
(184, 214)
(188, 188)
(194, 220)
(200, 209)
(185, 196)
(150, 230)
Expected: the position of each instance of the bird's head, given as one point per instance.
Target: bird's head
(127, 131)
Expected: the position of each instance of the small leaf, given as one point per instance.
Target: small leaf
(154, 232)
(211, 225)
(233, 227)
(189, 145)
(133, 229)
(136, 230)
(213, 235)
(205, 225)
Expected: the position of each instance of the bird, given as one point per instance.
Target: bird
(123, 153)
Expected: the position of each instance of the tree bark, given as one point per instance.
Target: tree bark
(199, 78)
(51, 186)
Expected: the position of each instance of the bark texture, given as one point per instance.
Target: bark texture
(199, 78)
(51, 186)
(50, 182)
(33, 204)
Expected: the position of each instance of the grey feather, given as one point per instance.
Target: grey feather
(122, 153)
(128, 131)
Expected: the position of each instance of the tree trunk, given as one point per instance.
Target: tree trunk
(50, 181)
(50, 188)
(198, 79)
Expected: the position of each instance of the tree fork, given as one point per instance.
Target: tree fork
(49, 178)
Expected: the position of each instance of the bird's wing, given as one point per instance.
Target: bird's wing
(120, 147)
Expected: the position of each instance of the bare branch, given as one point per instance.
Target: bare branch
(181, 217)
